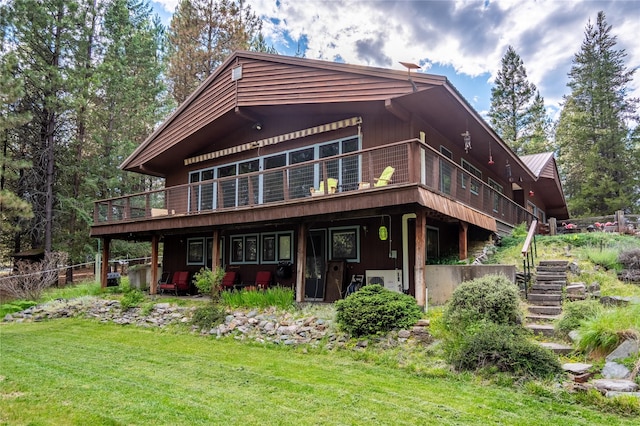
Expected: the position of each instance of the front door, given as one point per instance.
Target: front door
(316, 266)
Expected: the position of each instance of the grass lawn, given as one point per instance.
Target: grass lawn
(81, 372)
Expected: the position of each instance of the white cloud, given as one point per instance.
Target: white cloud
(468, 35)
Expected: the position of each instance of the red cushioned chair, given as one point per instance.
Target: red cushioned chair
(178, 283)
(263, 279)
(230, 280)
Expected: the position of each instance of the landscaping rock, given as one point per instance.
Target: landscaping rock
(613, 370)
(626, 349)
(618, 385)
(576, 367)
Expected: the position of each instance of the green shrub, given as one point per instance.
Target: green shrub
(208, 316)
(491, 298)
(573, 313)
(208, 281)
(376, 310)
(501, 347)
(131, 299)
(15, 306)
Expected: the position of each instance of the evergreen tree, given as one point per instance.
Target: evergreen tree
(202, 33)
(517, 110)
(598, 153)
(14, 209)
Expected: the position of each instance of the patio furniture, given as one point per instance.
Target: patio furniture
(230, 280)
(263, 279)
(385, 177)
(332, 184)
(179, 282)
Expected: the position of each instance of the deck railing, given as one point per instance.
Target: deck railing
(412, 160)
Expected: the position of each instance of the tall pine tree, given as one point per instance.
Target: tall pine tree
(517, 110)
(598, 155)
(202, 33)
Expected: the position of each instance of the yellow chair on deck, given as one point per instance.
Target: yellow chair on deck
(332, 184)
(385, 177)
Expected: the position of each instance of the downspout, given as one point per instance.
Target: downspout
(405, 249)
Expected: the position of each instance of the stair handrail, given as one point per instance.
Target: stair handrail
(528, 261)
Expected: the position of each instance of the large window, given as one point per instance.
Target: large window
(236, 190)
(474, 184)
(276, 247)
(495, 195)
(345, 243)
(446, 171)
(244, 249)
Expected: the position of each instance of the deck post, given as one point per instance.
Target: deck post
(421, 247)
(153, 288)
(215, 250)
(301, 255)
(104, 269)
(462, 240)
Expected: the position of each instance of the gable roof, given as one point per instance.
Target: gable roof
(221, 103)
(545, 169)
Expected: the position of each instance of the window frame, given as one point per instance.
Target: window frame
(355, 230)
(193, 243)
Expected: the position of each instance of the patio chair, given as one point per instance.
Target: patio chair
(332, 184)
(263, 279)
(178, 282)
(385, 177)
(230, 280)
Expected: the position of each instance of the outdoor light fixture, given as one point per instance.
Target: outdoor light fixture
(257, 126)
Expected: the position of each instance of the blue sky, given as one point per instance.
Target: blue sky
(463, 40)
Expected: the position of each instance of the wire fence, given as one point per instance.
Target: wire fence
(62, 270)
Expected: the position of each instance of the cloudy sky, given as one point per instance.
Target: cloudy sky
(463, 40)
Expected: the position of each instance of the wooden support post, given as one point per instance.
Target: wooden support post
(553, 226)
(153, 288)
(215, 250)
(421, 251)
(301, 256)
(104, 269)
(462, 240)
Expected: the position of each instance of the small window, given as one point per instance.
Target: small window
(345, 244)
(195, 251)
(474, 185)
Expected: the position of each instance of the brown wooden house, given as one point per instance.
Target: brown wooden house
(337, 169)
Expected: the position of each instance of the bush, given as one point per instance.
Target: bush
(491, 298)
(208, 316)
(503, 347)
(131, 299)
(375, 310)
(15, 306)
(208, 281)
(574, 313)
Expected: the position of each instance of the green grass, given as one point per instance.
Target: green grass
(606, 330)
(79, 372)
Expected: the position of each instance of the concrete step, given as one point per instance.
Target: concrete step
(564, 263)
(542, 329)
(541, 318)
(545, 289)
(545, 310)
(550, 277)
(544, 299)
(549, 285)
(557, 348)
